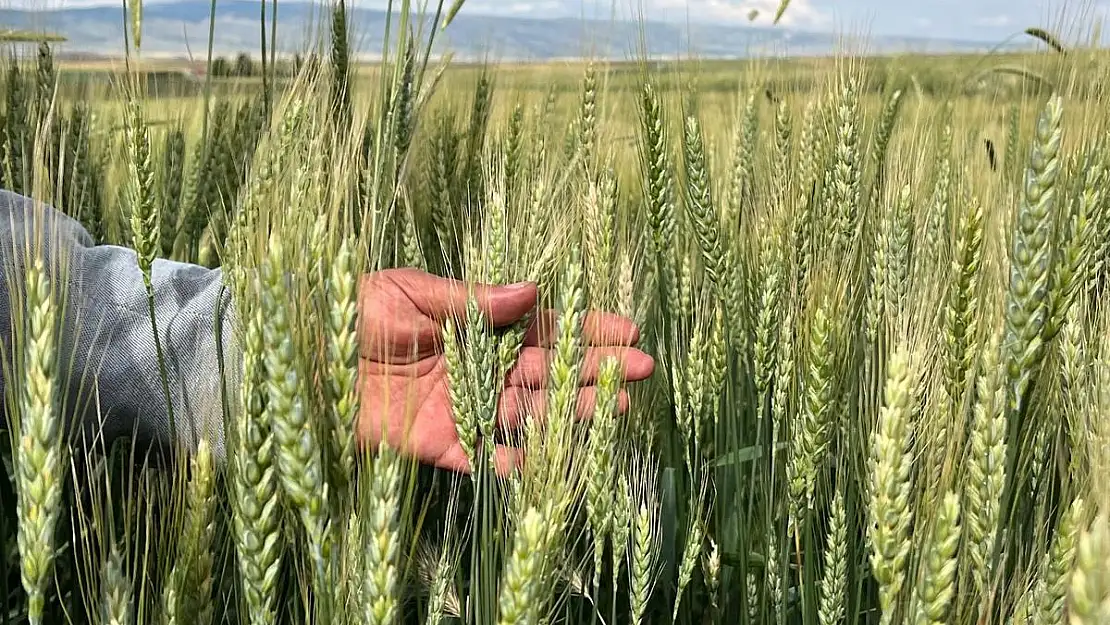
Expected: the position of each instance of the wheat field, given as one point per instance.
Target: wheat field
(874, 290)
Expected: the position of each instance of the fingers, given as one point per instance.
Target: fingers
(440, 298)
(600, 329)
(517, 403)
(533, 366)
(505, 459)
(513, 406)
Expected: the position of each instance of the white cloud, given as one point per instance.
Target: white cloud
(800, 13)
(997, 21)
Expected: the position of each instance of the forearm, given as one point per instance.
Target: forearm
(108, 362)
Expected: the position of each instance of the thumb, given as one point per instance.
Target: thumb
(440, 298)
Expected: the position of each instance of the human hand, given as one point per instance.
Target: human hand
(403, 374)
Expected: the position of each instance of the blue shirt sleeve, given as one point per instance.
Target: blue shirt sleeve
(109, 375)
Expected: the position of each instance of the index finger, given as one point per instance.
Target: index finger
(599, 329)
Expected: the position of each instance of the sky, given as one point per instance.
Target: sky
(965, 19)
(984, 20)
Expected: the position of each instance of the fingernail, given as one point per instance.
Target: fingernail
(519, 286)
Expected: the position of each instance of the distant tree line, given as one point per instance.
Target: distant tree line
(245, 66)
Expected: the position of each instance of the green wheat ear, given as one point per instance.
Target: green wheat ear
(116, 600)
(256, 503)
(1050, 592)
(522, 577)
(135, 8)
(39, 471)
(891, 517)
(986, 471)
(700, 207)
(1089, 591)
(298, 451)
(936, 583)
(834, 582)
(381, 564)
(188, 595)
(342, 351)
(602, 474)
(1031, 257)
(962, 309)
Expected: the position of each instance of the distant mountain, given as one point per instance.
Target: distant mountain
(176, 28)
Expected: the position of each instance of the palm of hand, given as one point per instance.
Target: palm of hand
(403, 373)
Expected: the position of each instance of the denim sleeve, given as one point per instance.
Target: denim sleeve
(109, 377)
